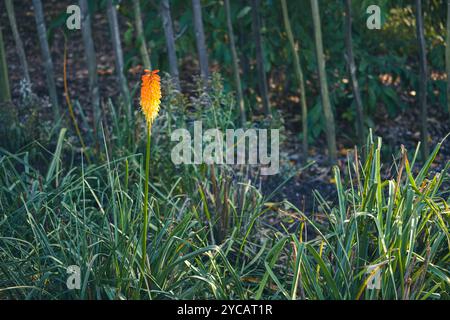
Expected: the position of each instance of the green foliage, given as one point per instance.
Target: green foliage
(209, 232)
(398, 227)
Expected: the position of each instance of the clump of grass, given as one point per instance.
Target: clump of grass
(396, 229)
(91, 217)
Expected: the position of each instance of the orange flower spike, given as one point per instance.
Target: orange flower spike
(150, 94)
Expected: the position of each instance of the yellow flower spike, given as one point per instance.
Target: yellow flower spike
(150, 95)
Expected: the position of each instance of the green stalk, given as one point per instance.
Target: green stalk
(147, 174)
(5, 91)
(447, 56)
(298, 73)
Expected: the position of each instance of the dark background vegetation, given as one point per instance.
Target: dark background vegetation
(387, 59)
(387, 64)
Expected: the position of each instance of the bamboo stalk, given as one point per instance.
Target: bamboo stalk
(262, 79)
(447, 56)
(237, 77)
(5, 93)
(140, 35)
(18, 40)
(118, 55)
(170, 42)
(299, 75)
(46, 56)
(326, 105)
(422, 80)
(352, 70)
(89, 50)
(200, 39)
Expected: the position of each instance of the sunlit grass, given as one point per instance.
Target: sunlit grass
(209, 236)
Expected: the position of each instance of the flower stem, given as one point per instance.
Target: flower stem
(147, 174)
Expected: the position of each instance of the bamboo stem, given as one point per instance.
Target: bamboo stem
(18, 40)
(237, 77)
(447, 56)
(5, 93)
(299, 74)
(200, 39)
(170, 42)
(352, 70)
(140, 35)
(118, 55)
(326, 104)
(46, 56)
(422, 80)
(262, 79)
(89, 50)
